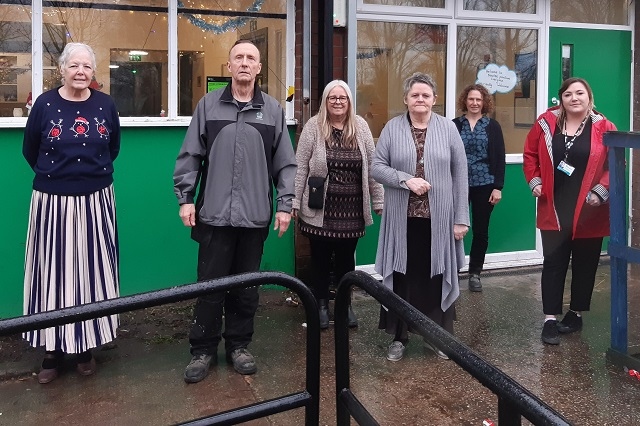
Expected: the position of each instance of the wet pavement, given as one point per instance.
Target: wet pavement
(141, 384)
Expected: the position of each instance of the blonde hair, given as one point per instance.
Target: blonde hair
(349, 129)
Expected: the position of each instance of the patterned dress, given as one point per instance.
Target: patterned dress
(343, 216)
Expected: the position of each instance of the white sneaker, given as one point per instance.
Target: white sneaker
(395, 351)
(434, 349)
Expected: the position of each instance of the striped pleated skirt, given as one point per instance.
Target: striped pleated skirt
(71, 259)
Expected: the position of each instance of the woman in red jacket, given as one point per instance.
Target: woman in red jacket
(565, 163)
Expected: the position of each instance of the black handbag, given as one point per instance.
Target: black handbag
(316, 192)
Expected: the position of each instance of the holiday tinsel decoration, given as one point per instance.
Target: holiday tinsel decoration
(229, 25)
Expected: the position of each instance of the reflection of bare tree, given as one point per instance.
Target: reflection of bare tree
(388, 53)
(418, 3)
(592, 11)
(513, 6)
(478, 46)
(15, 38)
(70, 24)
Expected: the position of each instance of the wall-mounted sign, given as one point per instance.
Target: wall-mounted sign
(497, 78)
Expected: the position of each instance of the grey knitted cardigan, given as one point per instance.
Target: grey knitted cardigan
(445, 162)
(311, 156)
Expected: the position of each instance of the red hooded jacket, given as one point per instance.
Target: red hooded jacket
(588, 221)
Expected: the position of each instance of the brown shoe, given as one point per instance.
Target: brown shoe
(87, 368)
(47, 375)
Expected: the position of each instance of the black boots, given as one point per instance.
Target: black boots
(323, 313)
(352, 320)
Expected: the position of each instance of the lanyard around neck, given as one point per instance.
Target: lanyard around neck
(568, 143)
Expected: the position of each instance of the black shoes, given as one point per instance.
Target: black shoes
(570, 323)
(474, 283)
(550, 334)
(323, 311)
(352, 319)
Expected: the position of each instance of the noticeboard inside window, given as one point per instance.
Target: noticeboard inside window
(215, 83)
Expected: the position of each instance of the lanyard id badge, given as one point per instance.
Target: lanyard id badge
(566, 168)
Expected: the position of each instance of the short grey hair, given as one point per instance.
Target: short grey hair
(419, 77)
(70, 49)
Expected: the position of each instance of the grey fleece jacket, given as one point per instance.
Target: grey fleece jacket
(234, 156)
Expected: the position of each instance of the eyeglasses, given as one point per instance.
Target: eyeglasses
(336, 99)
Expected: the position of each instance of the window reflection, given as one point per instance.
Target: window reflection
(388, 53)
(516, 49)
(417, 3)
(512, 6)
(136, 80)
(130, 39)
(204, 41)
(15, 60)
(615, 12)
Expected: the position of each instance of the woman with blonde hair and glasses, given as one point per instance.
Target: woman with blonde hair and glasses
(565, 164)
(334, 191)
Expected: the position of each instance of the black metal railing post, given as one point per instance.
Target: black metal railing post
(514, 400)
(309, 398)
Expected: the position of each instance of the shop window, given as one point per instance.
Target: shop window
(511, 6)
(130, 39)
(206, 33)
(505, 60)
(614, 12)
(416, 3)
(388, 53)
(130, 45)
(15, 60)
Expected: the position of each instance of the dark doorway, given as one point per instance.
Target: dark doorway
(185, 77)
(136, 89)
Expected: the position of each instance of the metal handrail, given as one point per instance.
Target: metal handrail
(514, 401)
(309, 398)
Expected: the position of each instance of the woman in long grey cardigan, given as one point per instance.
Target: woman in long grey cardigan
(335, 146)
(421, 162)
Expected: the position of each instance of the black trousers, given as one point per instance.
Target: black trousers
(481, 210)
(321, 252)
(226, 251)
(558, 247)
(417, 286)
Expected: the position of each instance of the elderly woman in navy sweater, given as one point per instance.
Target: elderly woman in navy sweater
(70, 141)
(421, 163)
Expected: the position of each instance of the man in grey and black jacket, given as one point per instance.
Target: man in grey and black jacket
(236, 150)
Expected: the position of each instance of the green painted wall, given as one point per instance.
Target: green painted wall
(155, 248)
(512, 225)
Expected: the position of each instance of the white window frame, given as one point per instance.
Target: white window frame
(537, 17)
(446, 11)
(172, 119)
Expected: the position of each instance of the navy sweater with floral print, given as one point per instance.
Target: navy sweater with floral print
(71, 145)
